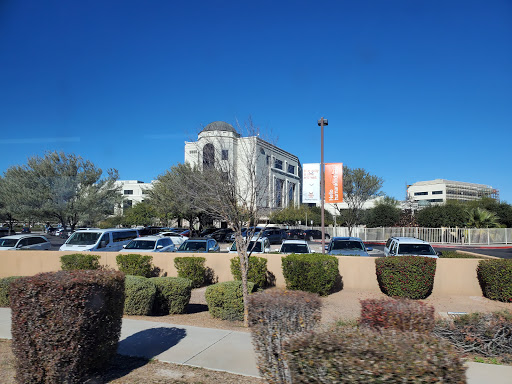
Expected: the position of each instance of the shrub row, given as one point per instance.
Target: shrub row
(66, 324)
(406, 276)
(257, 272)
(315, 273)
(362, 355)
(401, 314)
(79, 261)
(225, 300)
(156, 295)
(495, 277)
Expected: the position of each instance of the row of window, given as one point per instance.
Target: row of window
(426, 193)
(278, 164)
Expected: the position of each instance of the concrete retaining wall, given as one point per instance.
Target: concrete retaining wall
(453, 276)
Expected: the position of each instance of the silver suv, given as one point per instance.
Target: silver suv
(409, 246)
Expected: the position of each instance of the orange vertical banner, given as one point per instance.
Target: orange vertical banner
(333, 182)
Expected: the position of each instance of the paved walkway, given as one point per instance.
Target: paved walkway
(220, 350)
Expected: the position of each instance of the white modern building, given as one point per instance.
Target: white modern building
(439, 191)
(133, 191)
(278, 172)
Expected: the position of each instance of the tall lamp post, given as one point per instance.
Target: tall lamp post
(321, 123)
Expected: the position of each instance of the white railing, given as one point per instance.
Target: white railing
(466, 236)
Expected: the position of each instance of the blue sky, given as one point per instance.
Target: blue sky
(413, 90)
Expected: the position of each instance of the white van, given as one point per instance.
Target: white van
(101, 240)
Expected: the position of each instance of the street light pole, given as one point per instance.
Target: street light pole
(321, 123)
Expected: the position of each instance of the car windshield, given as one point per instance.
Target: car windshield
(347, 244)
(83, 238)
(254, 246)
(193, 246)
(141, 244)
(8, 243)
(415, 249)
(294, 248)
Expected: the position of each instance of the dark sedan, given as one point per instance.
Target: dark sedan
(221, 235)
(295, 234)
(313, 234)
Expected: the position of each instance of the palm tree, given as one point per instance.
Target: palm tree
(482, 218)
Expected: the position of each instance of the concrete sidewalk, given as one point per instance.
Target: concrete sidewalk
(220, 350)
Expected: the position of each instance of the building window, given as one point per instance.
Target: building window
(127, 204)
(225, 154)
(128, 191)
(291, 169)
(291, 193)
(279, 193)
(193, 152)
(268, 159)
(435, 200)
(208, 156)
(437, 192)
(420, 193)
(278, 164)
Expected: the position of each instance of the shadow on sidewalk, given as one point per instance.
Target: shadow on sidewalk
(151, 342)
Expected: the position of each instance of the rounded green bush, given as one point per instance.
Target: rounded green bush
(225, 300)
(4, 290)
(257, 272)
(139, 295)
(495, 277)
(172, 295)
(316, 273)
(79, 261)
(191, 268)
(135, 264)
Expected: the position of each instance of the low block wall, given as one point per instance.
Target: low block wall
(453, 276)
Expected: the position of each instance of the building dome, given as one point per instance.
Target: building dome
(219, 126)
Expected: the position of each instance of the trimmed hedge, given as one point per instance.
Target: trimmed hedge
(257, 272)
(316, 273)
(5, 284)
(225, 300)
(410, 277)
(172, 295)
(135, 264)
(275, 315)
(495, 277)
(401, 314)
(361, 355)
(66, 324)
(79, 261)
(139, 296)
(191, 268)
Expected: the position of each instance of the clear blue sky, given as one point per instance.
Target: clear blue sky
(413, 90)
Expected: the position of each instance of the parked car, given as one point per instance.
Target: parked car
(150, 244)
(348, 246)
(176, 238)
(6, 232)
(294, 246)
(26, 230)
(208, 231)
(199, 245)
(409, 246)
(189, 233)
(275, 236)
(149, 231)
(252, 231)
(17, 242)
(221, 235)
(295, 234)
(111, 239)
(256, 245)
(314, 234)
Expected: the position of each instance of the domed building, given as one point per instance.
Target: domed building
(279, 172)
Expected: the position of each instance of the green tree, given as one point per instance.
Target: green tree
(304, 214)
(385, 213)
(359, 186)
(450, 214)
(60, 186)
(481, 218)
(141, 213)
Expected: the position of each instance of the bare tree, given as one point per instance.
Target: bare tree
(359, 186)
(227, 178)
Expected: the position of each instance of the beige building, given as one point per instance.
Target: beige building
(278, 172)
(133, 191)
(439, 191)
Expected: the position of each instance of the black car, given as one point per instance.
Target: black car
(295, 234)
(312, 234)
(208, 231)
(275, 236)
(221, 235)
(148, 231)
